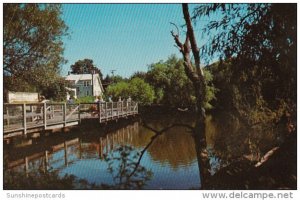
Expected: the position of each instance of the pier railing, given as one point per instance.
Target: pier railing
(24, 117)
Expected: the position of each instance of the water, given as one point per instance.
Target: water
(108, 158)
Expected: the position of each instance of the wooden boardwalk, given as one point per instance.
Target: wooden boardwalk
(26, 118)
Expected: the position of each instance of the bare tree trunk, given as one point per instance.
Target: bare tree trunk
(194, 72)
(196, 75)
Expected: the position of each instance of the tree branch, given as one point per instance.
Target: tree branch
(192, 38)
(157, 133)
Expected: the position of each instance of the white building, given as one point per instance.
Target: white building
(85, 85)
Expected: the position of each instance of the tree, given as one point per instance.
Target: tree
(136, 88)
(32, 46)
(171, 85)
(120, 89)
(193, 71)
(139, 74)
(114, 79)
(32, 37)
(85, 66)
(141, 91)
(258, 43)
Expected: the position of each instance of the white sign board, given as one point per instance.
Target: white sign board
(22, 97)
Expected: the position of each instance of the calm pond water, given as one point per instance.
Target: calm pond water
(109, 157)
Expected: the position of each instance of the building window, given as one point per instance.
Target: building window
(87, 93)
(87, 83)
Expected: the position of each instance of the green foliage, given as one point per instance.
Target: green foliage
(139, 74)
(120, 89)
(33, 48)
(86, 99)
(211, 90)
(136, 88)
(172, 86)
(113, 79)
(85, 66)
(39, 180)
(141, 91)
(258, 43)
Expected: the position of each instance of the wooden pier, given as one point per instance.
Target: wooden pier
(21, 119)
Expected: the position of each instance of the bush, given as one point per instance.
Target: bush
(87, 99)
(136, 88)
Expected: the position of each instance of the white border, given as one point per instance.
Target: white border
(145, 194)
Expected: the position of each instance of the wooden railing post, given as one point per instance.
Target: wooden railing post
(130, 108)
(79, 118)
(45, 116)
(126, 107)
(7, 115)
(112, 109)
(121, 108)
(117, 109)
(64, 114)
(100, 109)
(24, 119)
(106, 110)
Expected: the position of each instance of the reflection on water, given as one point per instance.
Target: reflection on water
(109, 160)
(169, 163)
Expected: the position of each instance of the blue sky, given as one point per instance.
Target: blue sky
(122, 37)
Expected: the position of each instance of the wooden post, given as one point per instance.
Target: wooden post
(106, 110)
(112, 109)
(79, 118)
(130, 107)
(52, 111)
(80, 149)
(46, 160)
(45, 116)
(126, 108)
(66, 153)
(24, 119)
(107, 144)
(64, 114)
(118, 109)
(100, 148)
(7, 114)
(26, 166)
(121, 108)
(112, 142)
(100, 109)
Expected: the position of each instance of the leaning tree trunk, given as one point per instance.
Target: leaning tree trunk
(194, 72)
(196, 75)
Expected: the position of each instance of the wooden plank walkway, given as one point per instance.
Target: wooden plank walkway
(26, 118)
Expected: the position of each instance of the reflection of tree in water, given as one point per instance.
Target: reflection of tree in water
(199, 142)
(122, 165)
(175, 147)
(229, 139)
(236, 145)
(126, 173)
